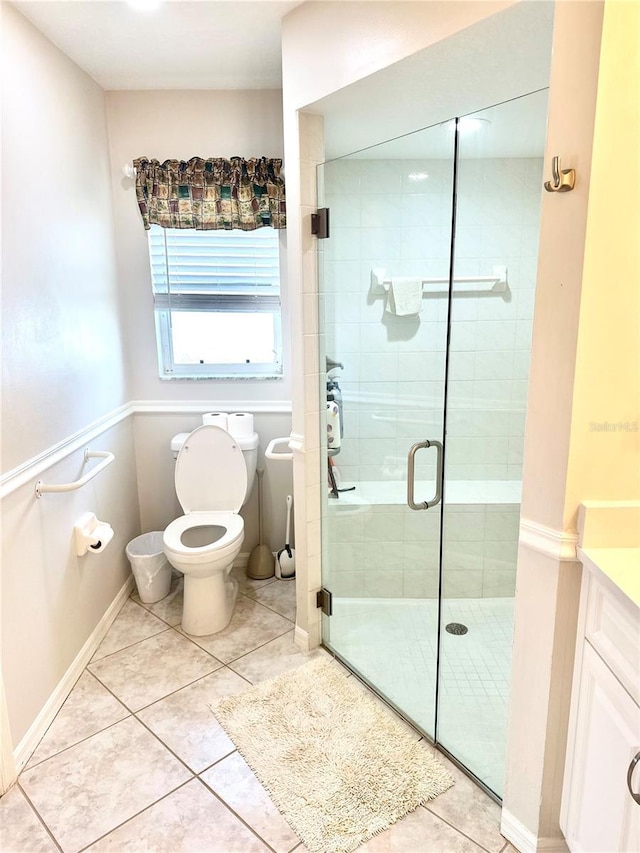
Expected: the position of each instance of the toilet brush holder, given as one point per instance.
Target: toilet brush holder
(92, 536)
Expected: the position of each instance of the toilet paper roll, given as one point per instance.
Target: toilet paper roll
(216, 418)
(101, 535)
(91, 534)
(240, 424)
(333, 426)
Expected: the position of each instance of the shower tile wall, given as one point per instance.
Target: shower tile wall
(388, 551)
(388, 215)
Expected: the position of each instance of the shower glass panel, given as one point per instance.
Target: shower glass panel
(498, 193)
(384, 282)
(423, 598)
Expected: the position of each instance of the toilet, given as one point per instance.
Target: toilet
(214, 475)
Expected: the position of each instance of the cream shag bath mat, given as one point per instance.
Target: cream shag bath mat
(338, 767)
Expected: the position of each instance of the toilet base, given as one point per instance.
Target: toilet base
(208, 603)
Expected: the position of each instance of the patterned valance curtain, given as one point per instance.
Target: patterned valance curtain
(211, 194)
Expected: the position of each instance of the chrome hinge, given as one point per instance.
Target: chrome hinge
(324, 600)
(320, 223)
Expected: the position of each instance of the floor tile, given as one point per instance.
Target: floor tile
(279, 596)
(251, 625)
(190, 820)
(89, 708)
(420, 830)
(274, 658)
(185, 722)
(168, 609)
(234, 781)
(131, 625)
(509, 848)
(469, 809)
(20, 829)
(248, 585)
(152, 669)
(92, 787)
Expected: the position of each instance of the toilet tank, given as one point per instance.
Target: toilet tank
(248, 445)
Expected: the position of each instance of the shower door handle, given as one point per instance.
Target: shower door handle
(419, 445)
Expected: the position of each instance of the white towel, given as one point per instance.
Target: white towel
(405, 297)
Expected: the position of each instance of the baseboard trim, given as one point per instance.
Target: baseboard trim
(8, 772)
(242, 560)
(33, 736)
(559, 544)
(525, 841)
(301, 639)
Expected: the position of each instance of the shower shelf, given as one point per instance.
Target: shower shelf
(496, 283)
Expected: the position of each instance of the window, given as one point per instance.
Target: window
(217, 302)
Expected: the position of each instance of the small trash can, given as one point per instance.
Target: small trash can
(150, 567)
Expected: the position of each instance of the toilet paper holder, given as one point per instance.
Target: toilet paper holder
(91, 535)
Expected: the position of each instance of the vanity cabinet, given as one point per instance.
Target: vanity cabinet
(599, 813)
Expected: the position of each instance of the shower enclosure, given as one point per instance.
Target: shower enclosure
(426, 289)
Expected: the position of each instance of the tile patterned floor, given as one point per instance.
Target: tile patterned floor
(135, 761)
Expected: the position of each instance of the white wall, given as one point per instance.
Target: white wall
(351, 40)
(62, 364)
(174, 124)
(52, 600)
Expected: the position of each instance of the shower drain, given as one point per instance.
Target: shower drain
(456, 628)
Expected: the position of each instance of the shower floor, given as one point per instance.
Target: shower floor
(391, 643)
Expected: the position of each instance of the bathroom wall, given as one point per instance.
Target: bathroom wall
(353, 41)
(62, 363)
(53, 600)
(393, 377)
(63, 368)
(183, 124)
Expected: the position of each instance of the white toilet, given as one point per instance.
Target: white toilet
(214, 476)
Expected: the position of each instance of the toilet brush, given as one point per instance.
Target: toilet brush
(260, 559)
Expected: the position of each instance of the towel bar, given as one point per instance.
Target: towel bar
(105, 455)
(496, 283)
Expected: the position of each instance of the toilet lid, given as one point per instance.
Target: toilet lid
(211, 474)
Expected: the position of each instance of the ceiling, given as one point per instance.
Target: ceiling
(235, 44)
(179, 45)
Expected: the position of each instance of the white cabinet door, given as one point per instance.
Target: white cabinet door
(602, 817)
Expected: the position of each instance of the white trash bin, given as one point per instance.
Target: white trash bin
(150, 567)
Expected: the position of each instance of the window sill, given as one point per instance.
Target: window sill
(225, 378)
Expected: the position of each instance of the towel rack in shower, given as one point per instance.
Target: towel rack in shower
(105, 455)
(496, 283)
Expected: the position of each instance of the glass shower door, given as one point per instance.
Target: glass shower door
(498, 192)
(384, 283)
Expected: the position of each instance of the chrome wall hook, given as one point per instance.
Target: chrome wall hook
(563, 181)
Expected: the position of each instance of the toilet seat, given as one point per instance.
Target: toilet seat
(230, 521)
(201, 488)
